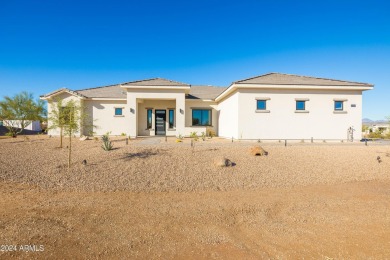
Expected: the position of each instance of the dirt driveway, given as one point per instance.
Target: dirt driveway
(350, 220)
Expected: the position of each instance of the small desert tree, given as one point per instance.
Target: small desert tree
(74, 118)
(57, 116)
(19, 111)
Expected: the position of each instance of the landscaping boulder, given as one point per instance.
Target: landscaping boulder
(258, 151)
(222, 162)
(83, 138)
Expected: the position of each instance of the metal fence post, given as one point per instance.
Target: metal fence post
(285, 143)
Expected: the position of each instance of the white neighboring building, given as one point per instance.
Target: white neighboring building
(271, 106)
(378, 127)
(32, 125)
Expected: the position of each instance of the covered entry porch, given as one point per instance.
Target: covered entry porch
(156, 117)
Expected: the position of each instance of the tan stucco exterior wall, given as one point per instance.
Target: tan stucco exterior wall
(102, 112)
(144, 105)
(199, 104)
(234, 116)
(283, 122)
(228, 116)
(137, 95)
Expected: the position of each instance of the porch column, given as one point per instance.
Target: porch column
(133, 112)
(180, 114)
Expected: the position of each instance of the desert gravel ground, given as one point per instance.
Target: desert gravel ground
(168, 200)
(170, 166)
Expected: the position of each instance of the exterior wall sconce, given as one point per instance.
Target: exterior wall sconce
(181, 111)
(132, 110)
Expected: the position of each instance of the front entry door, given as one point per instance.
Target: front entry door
(160, 122)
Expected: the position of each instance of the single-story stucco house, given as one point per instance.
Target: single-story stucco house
(270, 106)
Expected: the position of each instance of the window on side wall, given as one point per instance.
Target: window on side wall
(201, 117)
(339, 105)
(149, 114)
(119, 111)
(261, 104)
(171, 118)
(300, 105)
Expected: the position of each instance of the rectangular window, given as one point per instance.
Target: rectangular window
(201, 117)
(149, 119)
(339, 105)
(261, 105)
(300, 105)
(118, 111)
(171, 118)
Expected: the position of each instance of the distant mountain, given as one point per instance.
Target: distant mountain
(367, 121)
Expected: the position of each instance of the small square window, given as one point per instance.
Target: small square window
(118, 111)
(339, 105)
(300, 105)
(261, 105)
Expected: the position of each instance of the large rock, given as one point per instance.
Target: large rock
(258, 151)
(222, 162)
(83, 138)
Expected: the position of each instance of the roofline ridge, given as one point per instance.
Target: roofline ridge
(113, 85)
(337, 80)
(258, 76)
(174, 81)
(304, 76)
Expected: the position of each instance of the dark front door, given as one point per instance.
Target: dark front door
(160, 122)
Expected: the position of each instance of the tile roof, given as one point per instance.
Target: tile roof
(116, 91)
(63, 90)
(156, 82)
(113, 91)
(289, 79)
(205, 92)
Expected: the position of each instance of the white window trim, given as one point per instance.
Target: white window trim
(262, 110)
(304, 100)
(343, 111)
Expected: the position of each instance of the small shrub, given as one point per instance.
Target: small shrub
(376, 134)
(203, 136)
(123, 134)
(211, 133)
(10, 134)
(107, 145)
(194, 135)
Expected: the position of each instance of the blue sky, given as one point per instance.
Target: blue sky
(45, 45)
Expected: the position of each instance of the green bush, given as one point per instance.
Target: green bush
(194, 135)
(376, 134)
(107, 145)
